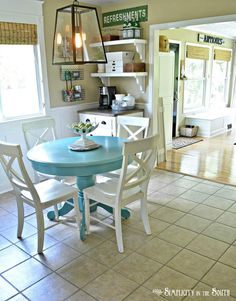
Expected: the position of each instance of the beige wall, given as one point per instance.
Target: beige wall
(55, 84)
(160, 11)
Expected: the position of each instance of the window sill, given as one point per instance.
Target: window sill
(21, 119)
(194, 111)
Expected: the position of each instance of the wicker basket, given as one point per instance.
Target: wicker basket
(187, 131)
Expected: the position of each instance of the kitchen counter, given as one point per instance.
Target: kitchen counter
(110, 113)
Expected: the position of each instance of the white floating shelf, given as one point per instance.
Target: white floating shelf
(120, 42)
(138, 43)
(139, 76)
(119, 74)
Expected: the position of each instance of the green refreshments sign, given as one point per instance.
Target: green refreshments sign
(119, 17)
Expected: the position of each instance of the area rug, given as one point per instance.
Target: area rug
(184, 141)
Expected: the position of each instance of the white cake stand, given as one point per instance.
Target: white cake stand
(84, 142)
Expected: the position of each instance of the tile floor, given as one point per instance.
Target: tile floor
(192, 248)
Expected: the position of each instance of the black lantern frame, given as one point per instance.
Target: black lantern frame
(65, 51)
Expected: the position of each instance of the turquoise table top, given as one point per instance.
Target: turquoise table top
(55, 158)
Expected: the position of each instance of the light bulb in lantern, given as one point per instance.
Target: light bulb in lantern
(78, 40)
(59, 38)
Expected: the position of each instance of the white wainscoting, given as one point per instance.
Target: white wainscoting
(212, 123)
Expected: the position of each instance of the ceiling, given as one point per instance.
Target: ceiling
(98, 2)
(102, 2)
(226, 29)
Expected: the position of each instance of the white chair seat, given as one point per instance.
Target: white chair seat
(50, 191)
(40, 196)
(105, 192)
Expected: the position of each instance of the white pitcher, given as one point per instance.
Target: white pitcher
(130, 100)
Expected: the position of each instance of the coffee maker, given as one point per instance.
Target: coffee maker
(107, 94)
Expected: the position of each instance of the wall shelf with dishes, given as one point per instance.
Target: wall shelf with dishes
(139, 75)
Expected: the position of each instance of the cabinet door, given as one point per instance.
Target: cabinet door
(105, 127)
(87, 118)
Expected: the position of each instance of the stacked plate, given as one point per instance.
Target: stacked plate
(81, 148)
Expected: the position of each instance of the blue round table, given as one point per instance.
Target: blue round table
(55, 158)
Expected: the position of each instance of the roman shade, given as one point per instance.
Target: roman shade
(197, 52)
(18, 33)
(222, 55)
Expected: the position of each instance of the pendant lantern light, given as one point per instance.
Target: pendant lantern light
(77, 36)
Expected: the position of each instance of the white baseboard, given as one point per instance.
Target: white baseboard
(161, 155)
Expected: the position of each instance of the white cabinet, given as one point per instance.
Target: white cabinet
(139, 45)
(107, 123)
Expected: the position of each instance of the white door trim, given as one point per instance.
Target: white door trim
(152, 106)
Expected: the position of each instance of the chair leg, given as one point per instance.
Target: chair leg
(144, 216)
(118, 229)
(56, 212)
(40, 227)
(77, 212)
(20, 208)
(87, 213)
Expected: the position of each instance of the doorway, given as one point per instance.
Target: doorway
(175, 47)
(155, 108)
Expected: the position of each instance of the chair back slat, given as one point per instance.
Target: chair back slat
(132, 128)
(11, 154)
(39, 131)
(144, 153)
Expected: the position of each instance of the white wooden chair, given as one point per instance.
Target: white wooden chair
(132, 128)
(40, 196)
(37, 132)
(130, 187)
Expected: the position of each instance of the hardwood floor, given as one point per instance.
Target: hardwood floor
(212, 159)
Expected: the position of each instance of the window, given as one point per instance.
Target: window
(195, 73)
(194, 85)
(20, 88)
(18, 81)
(220, 78)
(219, 84)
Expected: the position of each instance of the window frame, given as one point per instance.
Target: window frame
(34, 17)
(227, 78)
(41, 102)
(204, 79)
